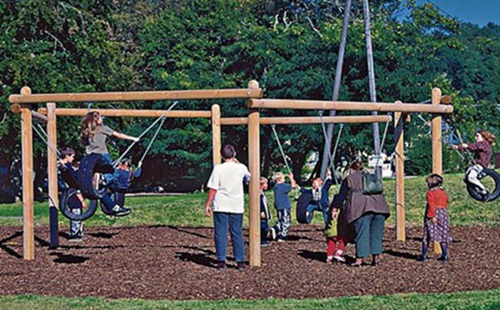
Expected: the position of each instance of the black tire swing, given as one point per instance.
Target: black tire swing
(475, 192)
(486, 174)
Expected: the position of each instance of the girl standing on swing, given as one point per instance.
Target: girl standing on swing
(93, 134)
(482, 158)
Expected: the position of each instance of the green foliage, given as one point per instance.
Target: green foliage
(290, 47)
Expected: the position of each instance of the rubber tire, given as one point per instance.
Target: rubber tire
(65, 208)
(471, 188)
(91, 164)
(301, 212)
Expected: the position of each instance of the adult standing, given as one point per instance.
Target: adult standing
(226, 201)
(367, 213)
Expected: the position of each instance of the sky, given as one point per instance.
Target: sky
(478, 12)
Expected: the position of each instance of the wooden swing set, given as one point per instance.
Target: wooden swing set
(21, 104)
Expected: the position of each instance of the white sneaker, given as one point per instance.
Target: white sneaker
(338, 256)
(272, 233)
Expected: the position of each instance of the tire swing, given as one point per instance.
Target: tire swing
(70, 201)
(91, 178)
(490, 177)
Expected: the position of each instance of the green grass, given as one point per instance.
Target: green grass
(486, 300)
(188, 210)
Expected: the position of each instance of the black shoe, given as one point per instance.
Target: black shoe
(422, 259)
(443, 259)
(221, 265)
(375, 263)
(121, 211)
(240, 266)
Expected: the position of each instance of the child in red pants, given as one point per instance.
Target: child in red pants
(335, 242)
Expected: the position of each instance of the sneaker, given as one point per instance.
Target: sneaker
(329, 259)
(338, 256)
(221, 265)
(264, 243)
(240, 266)
(121, 211)
(443, 259)
(272, 233)
(485, 196)
(281, 239)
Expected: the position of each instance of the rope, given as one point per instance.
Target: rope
(51, 147)
(462, 142)
(382, 144)
(116, 162)
(281, 148)
(328, 145)
(154, 137)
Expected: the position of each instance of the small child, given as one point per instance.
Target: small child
(333, 237)
(482, 157)
(282, 205)
(123, 179)
(320, 200)
(265, 215)
(68, 168)
(437, 220)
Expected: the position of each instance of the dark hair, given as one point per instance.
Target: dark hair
(357, 165)
(434, 180)
(228, 151)
(67, 151)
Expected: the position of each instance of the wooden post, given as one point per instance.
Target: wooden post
(28, 198)
(400, 175)
(254, 191)
(52, 174)
(216, 134)
(437, 145)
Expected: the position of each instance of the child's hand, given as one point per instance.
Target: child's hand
(263, 215)
(434, 220)
(135, 139)
(139, 164)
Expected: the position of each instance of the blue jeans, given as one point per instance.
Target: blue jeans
(264, 230)
(233, 222)
(316, 207)
(110, 177)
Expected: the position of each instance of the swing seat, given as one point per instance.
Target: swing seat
(302, 204)
(90, 173)
(493, 193)
(70, 201)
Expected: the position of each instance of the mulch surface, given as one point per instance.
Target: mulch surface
(163, 262)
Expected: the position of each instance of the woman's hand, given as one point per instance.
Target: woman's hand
(434, 220)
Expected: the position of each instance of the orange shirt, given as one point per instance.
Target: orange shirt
(436, 199)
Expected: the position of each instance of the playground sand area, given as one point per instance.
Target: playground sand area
(178, 263)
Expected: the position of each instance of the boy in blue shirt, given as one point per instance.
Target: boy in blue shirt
(123, 179)
(282, 205)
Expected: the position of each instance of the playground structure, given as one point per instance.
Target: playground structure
(21, 104)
